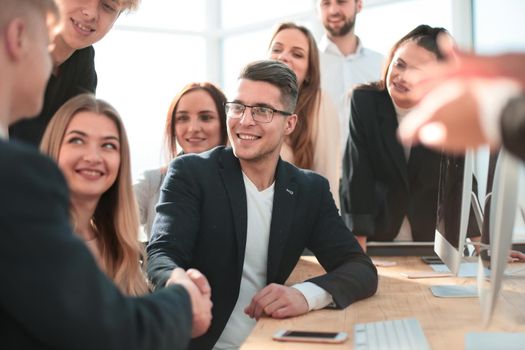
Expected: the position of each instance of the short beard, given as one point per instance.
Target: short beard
(345, 29)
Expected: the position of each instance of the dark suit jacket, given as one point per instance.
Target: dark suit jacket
(52, 294)
(383, 186)
(513, 126)
(201, 222)
(76, 75)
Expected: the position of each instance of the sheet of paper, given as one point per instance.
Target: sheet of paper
(467, 269)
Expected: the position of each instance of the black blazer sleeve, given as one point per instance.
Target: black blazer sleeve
(362, 182)
(513, 126)
(179, 198)
(76, 75)
(53, 295)
(351, 275)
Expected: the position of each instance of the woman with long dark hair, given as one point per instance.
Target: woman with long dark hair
(390, 192)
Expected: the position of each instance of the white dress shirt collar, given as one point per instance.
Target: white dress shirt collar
(327, 46)
(3, 132)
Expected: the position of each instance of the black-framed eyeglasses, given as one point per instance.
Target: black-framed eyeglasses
(260, 114)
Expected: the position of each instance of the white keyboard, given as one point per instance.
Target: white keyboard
(405, 334)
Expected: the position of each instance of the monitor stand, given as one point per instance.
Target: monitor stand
(494, 341)
(468, 268)
(455, 291)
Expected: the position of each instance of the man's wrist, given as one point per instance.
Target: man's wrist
(316, 297)
(491, 97)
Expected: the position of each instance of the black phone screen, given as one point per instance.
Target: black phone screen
(305, 334)
(431, 260)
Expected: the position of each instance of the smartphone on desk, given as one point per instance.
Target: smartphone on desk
(431, 259)
(310, 337)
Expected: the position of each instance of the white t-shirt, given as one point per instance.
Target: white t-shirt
(239, 325)
(260, 206)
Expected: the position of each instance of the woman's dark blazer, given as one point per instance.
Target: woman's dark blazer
(381, 187)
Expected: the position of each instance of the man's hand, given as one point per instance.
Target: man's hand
(464, 65)
(362, 242)
(277, 301)
(516, 256)
(200, 293)
(447, 118)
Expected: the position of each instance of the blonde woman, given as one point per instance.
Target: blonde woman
(314, 144)
(87, 139)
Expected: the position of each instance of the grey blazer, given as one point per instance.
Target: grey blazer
(147, 192)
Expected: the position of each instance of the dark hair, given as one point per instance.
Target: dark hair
(307, 101)
(169, 131)
(279, 75)
(424, 36)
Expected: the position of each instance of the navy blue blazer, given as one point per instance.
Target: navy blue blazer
(513, 126)
(52, 294)
(201, 222)
(76, 75)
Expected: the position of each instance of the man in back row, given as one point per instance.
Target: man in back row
(53, 295)
(345, 62)
(243, 217)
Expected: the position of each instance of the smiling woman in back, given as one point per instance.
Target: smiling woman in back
(196, 121)
(314, 144)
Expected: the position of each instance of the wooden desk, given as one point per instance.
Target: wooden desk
(444, 321)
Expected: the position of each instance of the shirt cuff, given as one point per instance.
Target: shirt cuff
(492, 96)
(316, 297)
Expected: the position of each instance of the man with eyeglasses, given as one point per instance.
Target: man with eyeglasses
(243, 216)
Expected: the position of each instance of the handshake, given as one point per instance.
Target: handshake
(199, 290)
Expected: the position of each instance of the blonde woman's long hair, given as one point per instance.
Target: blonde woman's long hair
(116, 215)
(308, 101)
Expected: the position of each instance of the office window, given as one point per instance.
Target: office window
(499, 28)
(140, 73)
(240, 50)
(381, 26)
(143, 62)
(167, 15)
(248, 26)
(237, 13)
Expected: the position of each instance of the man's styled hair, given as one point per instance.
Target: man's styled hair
(128, 5)
(279, 75)
(13, 8)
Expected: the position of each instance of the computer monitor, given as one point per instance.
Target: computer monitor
(495, 252)
(453, 208)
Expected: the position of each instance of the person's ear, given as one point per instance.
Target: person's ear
(15, 36)
(289, 126)
(358, 6)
